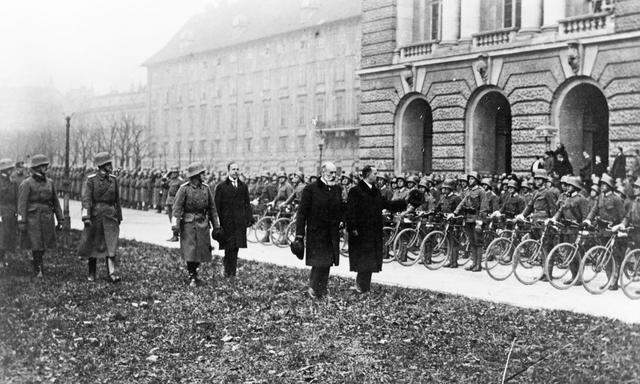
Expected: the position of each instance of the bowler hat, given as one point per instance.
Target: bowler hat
(195, 168)
(101, 159)
(38, 160)
(297, 248)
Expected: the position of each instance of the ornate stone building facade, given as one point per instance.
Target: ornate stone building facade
(459, 85)
(264, 84)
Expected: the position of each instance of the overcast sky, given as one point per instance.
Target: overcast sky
(92, 43)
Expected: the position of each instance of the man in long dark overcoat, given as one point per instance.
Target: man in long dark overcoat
(234, 210)
(318, 219)
(364, 224)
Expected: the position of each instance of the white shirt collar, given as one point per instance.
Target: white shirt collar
(368, 185)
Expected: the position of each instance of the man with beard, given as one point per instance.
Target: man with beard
(37, 205)
(364, 224)
(234, 209)
(319, 217)
(101, 215)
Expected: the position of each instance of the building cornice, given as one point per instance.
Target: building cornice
(500, 52)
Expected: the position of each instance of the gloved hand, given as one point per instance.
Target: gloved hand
(217, 233)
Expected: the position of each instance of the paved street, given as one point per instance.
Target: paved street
(154, 228)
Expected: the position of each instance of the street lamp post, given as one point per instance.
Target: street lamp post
(320, 134)
(67, 183)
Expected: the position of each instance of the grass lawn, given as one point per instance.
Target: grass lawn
(152, 328)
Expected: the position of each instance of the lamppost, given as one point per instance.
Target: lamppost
(546, 132)
(321, 137)
(67, 181)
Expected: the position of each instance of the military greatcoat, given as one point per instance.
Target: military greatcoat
(8, 209)
(194, 209)
(37, 204)
(101, 205)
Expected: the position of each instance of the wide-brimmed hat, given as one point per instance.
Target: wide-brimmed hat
(101, 159)
(195, 168)
(6, 164)
(38, 160)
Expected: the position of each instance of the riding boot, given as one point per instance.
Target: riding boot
(453, 261)
(477, 259)
(37, 263)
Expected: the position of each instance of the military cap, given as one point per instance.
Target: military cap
(424, 182)
(486, 181)
(512, 184)
(195, 168)
(564, 179)
(607, 180)
(101, 159)
(6, 164)
(525, 184)
(38, 160)
(595, 188)
(461, 178)
(413, 179)
(400, 177)
(620, 189)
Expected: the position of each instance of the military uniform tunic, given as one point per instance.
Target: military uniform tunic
(542, 205)
(575, 207)
(194, 210)
(447, 203)
(512, 204)
(101, 204)
(609, 207)
(37, 204)
(8, 211)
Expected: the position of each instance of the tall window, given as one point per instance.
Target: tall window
(216, 118)
(427, 20)
(284, 109)
(320, 107)
(266, 114)
(265, 144)
(248, 106)
(283, 144)
(339, 108)
(233, 123)
(511, 13)
(190, 118)
(203, 118)
(301, 111)
(248, 145)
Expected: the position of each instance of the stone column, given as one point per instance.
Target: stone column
(554, 10)
(404, 23)
(531, 16)
(469, 19)
(450, 21)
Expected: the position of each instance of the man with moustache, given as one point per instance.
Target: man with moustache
(318, 219)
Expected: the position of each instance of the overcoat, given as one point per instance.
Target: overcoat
(364, 214)
(8, 209)
(319, 215)
(37, 204)
(234, 210)
(194, 209)
(100, 204)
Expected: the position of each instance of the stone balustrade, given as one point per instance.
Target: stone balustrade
(424, 48)
(591, 23)
(492, 38)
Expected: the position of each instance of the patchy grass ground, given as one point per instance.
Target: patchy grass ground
(152, 328)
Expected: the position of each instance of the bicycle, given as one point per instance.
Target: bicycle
(278, 231)
(437, 246)
(630, 274)
(600, 260)
(498, 257)
(389, 232)
(529, 256)
(406, 245)
(261, 230)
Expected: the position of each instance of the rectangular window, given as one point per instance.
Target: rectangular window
(266, 114)
(190, 118)
(203, 118)
(284, 109)
(320, 73)
(202, 150)
(301, 142)
(339, 69)
(216, 119)
(216, 147)
(320, 107)
(282, 147)
(339, 108)
(435, 21)
(233, 122)
(248, 106)
(302, 101)
(248, 145)
(233, 146)
(265, 144)
(511, 13)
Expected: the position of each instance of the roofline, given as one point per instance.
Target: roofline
(148, 63)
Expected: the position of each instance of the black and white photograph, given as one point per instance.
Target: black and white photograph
(320, 191)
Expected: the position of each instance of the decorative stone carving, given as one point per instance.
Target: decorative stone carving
(481, 66)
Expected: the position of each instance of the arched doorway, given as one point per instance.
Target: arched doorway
(488, 137)
(414, 136)
(581, 114)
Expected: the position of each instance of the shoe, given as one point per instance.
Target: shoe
(356, 289)
(476, 268)
(193, 283)
(173, 239)
(114, 278)
(39, 275)
(613, 287)
(91, 278)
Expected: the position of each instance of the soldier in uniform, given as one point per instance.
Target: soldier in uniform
(401, 191)
(298, 186)
(525, 192)
(8, 209)
(37, 204)
(20, 173)
(491, 201)
(101, 215)
(173, 183)
(158, 191)
(194, 212)
(470, 206)
(385, 188)
(512, 203)
(574, 207)
(284, 189)
(543, 203)
(610, 208)
(445, 205)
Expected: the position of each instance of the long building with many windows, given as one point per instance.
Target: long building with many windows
(270, 83)
(486, 85)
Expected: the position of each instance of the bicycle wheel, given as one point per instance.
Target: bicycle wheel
(251, 231)
(630, 275)
(487, 238)
(406, 247)
(559, 262)
(262, 230)
(291, 232)
(435, 250)
(278, 232)
(498, 259)
(597, 270)
(387, 245)
(464, 256)
(344, 243)
(527, 261)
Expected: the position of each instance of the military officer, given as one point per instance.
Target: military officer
(102, 215)
(194, 212)
(543, 203)
(470, 206)
(37, 205)
(173, 183)
(8, 208)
